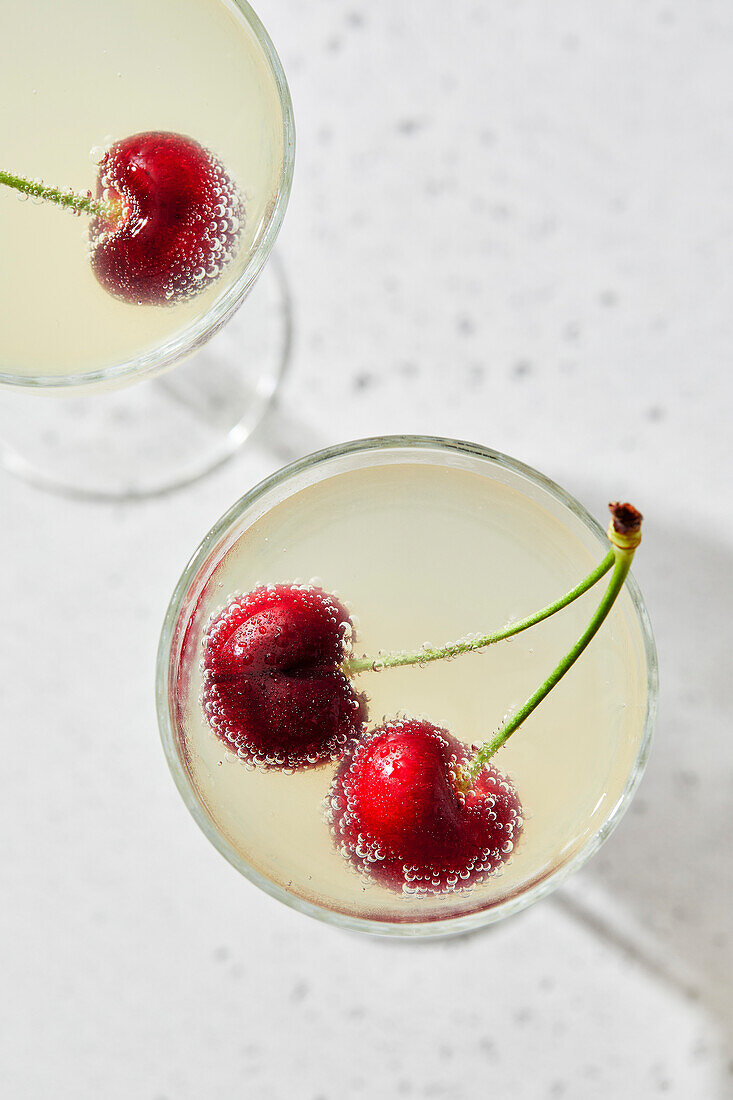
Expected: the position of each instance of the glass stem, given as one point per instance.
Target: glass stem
(422, 656)
(622, 556)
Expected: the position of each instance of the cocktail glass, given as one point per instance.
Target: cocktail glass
(70, 422)
(423, 539)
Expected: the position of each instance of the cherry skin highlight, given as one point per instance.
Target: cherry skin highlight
(179, 223)
(398, 814)
(273, 689)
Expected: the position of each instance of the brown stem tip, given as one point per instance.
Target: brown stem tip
(626, 519)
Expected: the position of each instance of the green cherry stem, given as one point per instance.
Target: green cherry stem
(625, 535)
(82, 204)
(422, 656)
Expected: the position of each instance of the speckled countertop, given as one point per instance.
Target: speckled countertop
(511, 223)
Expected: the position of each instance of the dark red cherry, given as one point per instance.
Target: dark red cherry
(399, 815)
(273, 689)
(181, 217)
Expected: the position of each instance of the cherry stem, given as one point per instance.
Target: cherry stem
(82, 204)
(624, 541)
(422, 656)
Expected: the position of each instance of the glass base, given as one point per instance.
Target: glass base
(162, 433)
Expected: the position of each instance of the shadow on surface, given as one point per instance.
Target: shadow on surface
(669, 862)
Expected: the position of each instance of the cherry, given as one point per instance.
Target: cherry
(274, 691)
(400, 816)
(180, 217)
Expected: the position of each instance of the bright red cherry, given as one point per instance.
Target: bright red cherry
(399, 815)
(181, 216)
(273, 689)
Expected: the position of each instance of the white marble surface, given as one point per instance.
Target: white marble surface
(513, 226)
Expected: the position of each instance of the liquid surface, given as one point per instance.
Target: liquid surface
(75, 77)
(426, 553)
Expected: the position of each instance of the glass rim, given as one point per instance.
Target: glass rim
(543, 884)
(196, 334)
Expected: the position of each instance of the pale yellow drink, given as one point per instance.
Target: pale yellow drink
(75, 76)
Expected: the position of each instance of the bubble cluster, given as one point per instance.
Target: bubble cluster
(398, 813)
(179, 219)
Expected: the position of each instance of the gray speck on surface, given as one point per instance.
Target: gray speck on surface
(299, 992)
(355, 19)
(545, 227)
(409, 126)
(357, 1013)
(557, 1088)
(522, 1016)
(487, 1048)
(333, 44)
(466, 326)
(662, 1082)
(522, 368)
(435, 186)
(221, 954)
(363, 381)
(571, 332)
(655, 413)
(608, 298)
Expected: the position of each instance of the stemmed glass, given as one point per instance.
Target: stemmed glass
(358, 514)
(78, 426)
